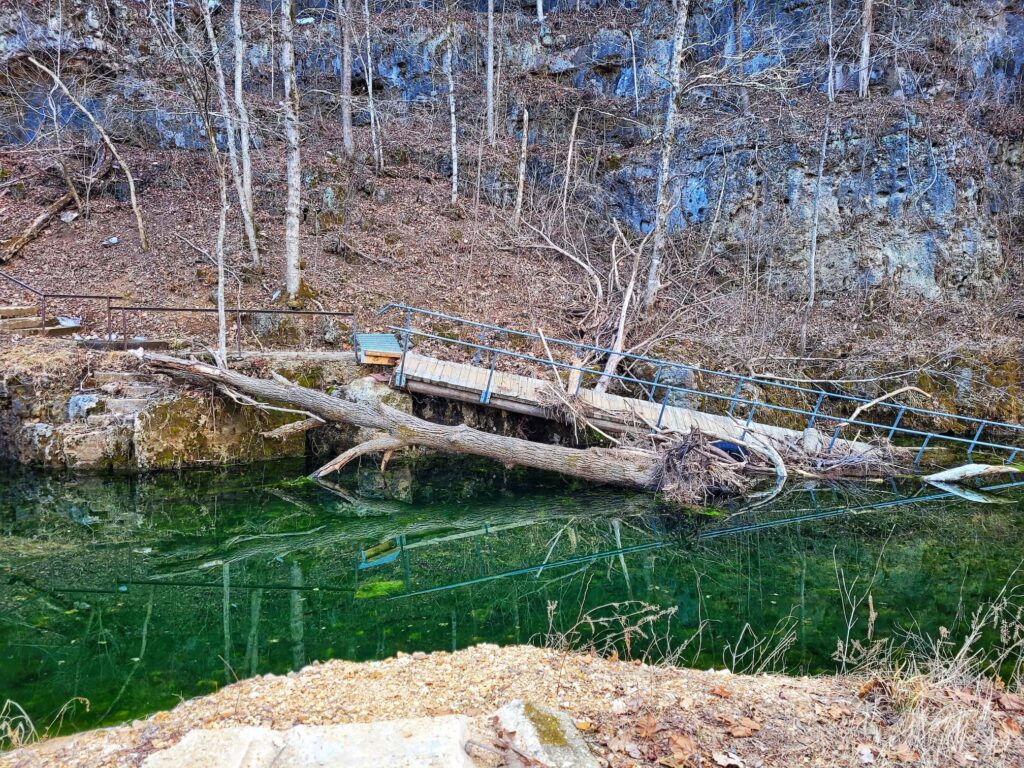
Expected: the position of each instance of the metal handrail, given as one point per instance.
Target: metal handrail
(891, 429)
(697, 369)
(43, 296)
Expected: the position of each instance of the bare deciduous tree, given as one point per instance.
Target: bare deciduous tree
(229, 130)
(812, 256)
(518, 213)
(490, 72)
(378, 152)
(866, 24)
(345, 35)
(293, 274)
(244, 138)
(663, 203)
(449, 73)
(143, 239)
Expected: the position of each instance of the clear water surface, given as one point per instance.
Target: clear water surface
(134, 592)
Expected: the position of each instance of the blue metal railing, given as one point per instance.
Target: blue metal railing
(1012, 445)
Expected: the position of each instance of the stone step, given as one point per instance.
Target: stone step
(20, 323)
(126, 406)
(8, 312)
(108, 377)
(51, 330)
(117, 344)
(137, 390)
(130, 389)
(429, 742)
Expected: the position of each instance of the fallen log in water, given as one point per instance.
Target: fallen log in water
(688, 468)
(627, 467)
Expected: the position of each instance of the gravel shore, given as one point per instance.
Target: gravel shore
(630, 713)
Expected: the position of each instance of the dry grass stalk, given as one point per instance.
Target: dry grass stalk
(946, 700)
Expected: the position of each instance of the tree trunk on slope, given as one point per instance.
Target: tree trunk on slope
(662, 204)
(293, 274)
(345, 25)
(866, 23)
(449, 67)
(229, 129)
(378, 151)
(812, 256)
(613, 466)
(490, 72)
(517, 214)
(244, 138)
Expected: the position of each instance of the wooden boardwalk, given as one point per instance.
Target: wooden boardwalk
(611, 413)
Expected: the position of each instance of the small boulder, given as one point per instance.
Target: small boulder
(545, 735)
(80, 405)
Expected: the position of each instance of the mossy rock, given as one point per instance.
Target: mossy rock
(193, 430)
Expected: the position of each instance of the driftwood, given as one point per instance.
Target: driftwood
(11, 247)
(626, 467)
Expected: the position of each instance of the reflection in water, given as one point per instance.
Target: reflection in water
(132, 592)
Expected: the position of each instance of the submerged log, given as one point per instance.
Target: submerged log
(625, 467)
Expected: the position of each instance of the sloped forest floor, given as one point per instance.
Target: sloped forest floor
(368, 239)
(397, 238)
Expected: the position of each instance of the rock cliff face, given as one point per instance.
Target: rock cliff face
(921, 181)
(64, 407)
(125, 421)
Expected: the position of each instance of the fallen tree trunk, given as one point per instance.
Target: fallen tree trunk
(626, 467)
(10, 248)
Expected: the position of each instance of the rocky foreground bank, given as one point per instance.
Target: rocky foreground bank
(626, 713)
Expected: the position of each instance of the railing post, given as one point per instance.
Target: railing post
(750, 419)
(238, 332)
(400, 380)
(110, 330)
(974, 442)
(835, 436)
(735, 394)
(896, 422)
(476, 357)
(485, 396)
(661, 413)
(124, 328)
(1012, 456)
(917, 459)
(817, 408)
(42, 313)
(654, 384)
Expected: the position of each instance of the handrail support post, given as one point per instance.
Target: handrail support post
(974, 441)
(817, 409)
(400, 379)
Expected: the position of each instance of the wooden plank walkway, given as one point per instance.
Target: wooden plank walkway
(613, 413)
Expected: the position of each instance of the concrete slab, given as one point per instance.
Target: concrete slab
(241, 747)
(430, 742)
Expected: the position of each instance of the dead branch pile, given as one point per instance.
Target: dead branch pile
(885, 460)
(572, 411)
(694, 470)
